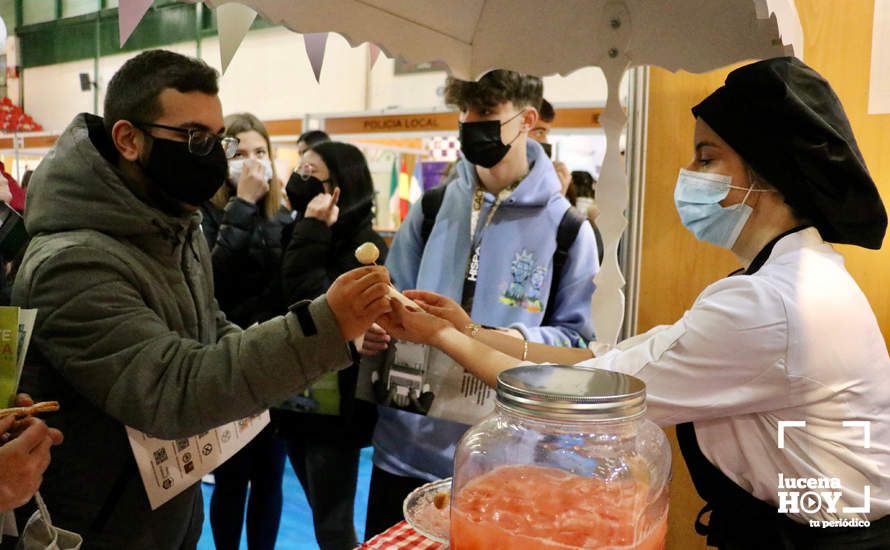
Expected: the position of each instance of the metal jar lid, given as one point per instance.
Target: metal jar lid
(574, 393)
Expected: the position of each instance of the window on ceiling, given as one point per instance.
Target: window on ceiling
(71, 8)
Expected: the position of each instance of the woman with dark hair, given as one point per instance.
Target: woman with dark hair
(332, 194)
(309, 139)
(243, 223)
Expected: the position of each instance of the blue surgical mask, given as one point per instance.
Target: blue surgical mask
(698, 196)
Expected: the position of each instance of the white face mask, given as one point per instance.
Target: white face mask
(236, 167)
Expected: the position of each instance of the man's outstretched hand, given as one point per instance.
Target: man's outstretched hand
(358, 298)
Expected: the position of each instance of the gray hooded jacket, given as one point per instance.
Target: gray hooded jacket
(128, 333)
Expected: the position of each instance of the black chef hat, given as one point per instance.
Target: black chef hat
(784, 119)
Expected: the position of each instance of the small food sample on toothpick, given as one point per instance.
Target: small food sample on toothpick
(367, 253)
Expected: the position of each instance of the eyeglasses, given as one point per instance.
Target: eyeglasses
(306, 170)
(200, 141)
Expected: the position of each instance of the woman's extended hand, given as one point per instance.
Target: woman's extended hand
(412, 324)
(441, 306)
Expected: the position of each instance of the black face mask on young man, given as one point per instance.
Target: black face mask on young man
(480, 142)
(300, 191)
(184, 176)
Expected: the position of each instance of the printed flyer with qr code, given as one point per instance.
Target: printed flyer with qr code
(168, 467)
(424, 380)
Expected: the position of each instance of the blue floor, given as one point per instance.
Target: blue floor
(296, 531)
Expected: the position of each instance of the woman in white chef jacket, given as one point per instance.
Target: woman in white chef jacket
(788, 338)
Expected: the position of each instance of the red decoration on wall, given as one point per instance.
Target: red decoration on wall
(14, 119)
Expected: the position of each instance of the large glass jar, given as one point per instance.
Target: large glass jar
(567, 460)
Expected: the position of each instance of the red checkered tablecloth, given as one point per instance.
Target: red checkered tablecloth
(401, 536)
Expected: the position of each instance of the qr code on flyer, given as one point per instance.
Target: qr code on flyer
(160, 455)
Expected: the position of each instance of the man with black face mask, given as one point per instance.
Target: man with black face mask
(492, 249)
(128, 332)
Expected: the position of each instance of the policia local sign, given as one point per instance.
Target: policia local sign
(586, 117)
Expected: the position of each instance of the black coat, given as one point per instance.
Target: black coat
(315, 255)
(246, 249)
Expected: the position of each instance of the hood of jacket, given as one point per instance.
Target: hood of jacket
(78, 186)
(537, 188)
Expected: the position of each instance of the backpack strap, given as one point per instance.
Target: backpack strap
(566, 234)
(430, 204)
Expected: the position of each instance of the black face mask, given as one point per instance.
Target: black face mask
(548, 149)
(184, 176)
(481, 144)
(300, 191)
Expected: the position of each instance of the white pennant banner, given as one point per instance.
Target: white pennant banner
(233, 22)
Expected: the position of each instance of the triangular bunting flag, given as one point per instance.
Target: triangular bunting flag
(374, 52)
(315, 46)
(130, 13)
(233, 22)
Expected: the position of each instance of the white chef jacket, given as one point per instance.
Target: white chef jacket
(796, 340)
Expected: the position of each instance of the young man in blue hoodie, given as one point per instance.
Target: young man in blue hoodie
(491, 248)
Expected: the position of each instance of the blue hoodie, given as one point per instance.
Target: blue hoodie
(515, 270)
